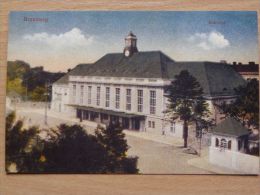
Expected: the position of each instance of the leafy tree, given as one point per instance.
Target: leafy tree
(246, 106)
(113, 140)
(15, 85)
(22, 77)
(38, 94)
(16, 69)
(185, 101)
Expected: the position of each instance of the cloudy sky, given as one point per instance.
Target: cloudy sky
(70, 38)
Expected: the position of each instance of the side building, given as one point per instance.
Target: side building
(247, 71)
(128, 87)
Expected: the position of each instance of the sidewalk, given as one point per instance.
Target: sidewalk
(164, 139)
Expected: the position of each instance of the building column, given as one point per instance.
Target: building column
(99, 117)
(130, 124)
(121, 121)
(109, 118)
(88, 115)
(81, 115)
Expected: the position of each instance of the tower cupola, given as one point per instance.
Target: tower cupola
(130, 44)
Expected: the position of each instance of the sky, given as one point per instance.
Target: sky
(61, 40)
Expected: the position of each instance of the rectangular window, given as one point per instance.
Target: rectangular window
(98, 96)
(128, 99)
(149, 124)
(74, 90)
(89, 94)
(173, 127)
(153, 124)
(152, 102)
(140, 100)
(107, 96)
(117, 98)
(81, 94)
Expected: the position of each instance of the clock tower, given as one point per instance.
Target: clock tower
(130, 44)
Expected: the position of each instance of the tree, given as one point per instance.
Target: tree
(113, 140)
(74, 151)
(23, 79)
(16, 85)
(16, 69)
(246, 106)
(21, 147)
(185, 101)
(67, 149)
(38, 94)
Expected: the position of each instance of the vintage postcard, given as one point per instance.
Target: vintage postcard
(132, 92)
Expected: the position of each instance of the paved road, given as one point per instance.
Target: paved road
(158, 158)
(154, 157)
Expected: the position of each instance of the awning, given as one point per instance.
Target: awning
(109, 112)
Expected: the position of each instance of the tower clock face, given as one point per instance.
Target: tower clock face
(127, 53)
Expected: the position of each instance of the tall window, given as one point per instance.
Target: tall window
(74, 90)
(239, 144)
(74, 93)
(117, 98)
(229, 144)
(173, 127)
(128, 99)
(81, 94)
(217, 142)
(140, 100)
(98, 96)
(107, 96)
(89, 94)
(153, 124)
(152, 102)
(223, 143)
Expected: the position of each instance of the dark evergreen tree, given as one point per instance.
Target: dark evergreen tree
(68, 149)
(185, 101)
(113, 140)
(21, 146)
(74, 151)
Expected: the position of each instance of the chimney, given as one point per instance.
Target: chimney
(251, 63)
(239, 63)
(234, 63)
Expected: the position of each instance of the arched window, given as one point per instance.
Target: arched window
(223, 143)
(217, 142)
(229, 144)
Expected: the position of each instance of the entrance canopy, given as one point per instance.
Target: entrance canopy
(109, 112)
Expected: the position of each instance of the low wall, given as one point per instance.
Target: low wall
(241, 162)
